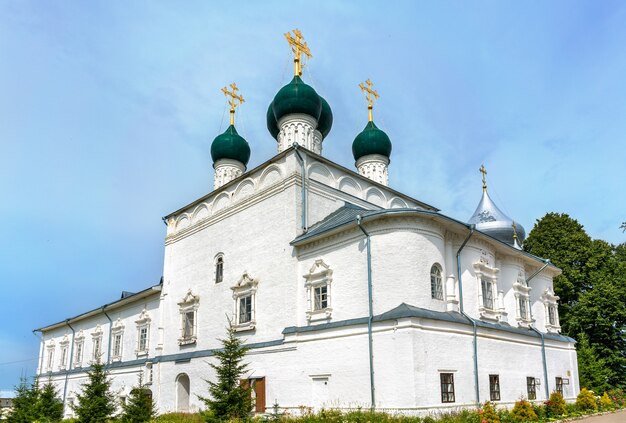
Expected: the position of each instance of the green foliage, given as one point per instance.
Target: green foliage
(606, 403)
(24, 403)
(592, 289)
(229, 398)
(49, 406)
(523, 412)
(96, 403)
(179, 418)
(556, 405)
(618, 398)
(592, 370)
(489, 414)
(586, 401)
(139, 407)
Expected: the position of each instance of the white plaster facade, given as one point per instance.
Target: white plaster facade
(300, 301)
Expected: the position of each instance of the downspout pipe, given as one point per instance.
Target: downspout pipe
(296, 147)
(371, 312)
(543, 339)
(41, 350)
(69, 364)
(461, 309)
(110, 328)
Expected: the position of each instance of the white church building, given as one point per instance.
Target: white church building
(347, 292)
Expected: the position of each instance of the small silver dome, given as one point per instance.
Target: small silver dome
(489, 219)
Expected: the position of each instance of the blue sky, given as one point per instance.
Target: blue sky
(108, 109)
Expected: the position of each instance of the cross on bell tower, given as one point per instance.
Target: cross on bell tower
(484, 172)
(234, 101)
(298, 47)
(371, 95)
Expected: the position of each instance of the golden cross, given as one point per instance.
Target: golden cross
(514, 230)
(370, 95)
(484, 172)
(298, 47)
(234, 100)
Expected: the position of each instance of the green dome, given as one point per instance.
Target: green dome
(230, 145)
(325, 121)
(272, 125)
(297, 97)
(371, 141)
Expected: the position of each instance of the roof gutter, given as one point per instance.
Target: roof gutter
(543, 340)
(472, 321)
(371, 312)
(69, 364)
(110, 328)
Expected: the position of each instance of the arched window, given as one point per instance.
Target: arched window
(219, 268)
(436, 288)
(182, 393)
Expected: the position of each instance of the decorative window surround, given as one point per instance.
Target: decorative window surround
(488, 276)
(117, 336)
(79, 346)
(64, 350)
(550, 303)
(189, 318)
(522, 301)
(246, 287)
(96, 342)
(50, 351)
(143, 333)
(318, 285)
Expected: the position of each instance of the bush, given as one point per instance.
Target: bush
(556, 405)
(523, 412)
(586, 401)
(606, 403)
(617, 396)
(489, 414)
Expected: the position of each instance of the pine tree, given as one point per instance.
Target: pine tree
(96, 403)
(592, 370)
(139, 407)
(49, 406)
(25, 402)
(229, 397)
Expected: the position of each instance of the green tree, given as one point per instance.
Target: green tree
(25, 402)
(592, 370)
(49, 406)
(564, 241)
(229, 398)
(139, 407)
(592, 289)
(96, 403)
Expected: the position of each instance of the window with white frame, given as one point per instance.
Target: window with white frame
(488, 304)
(219, 267)
(550, 303)
(96, 342)
(244, 296)
(436, 282)
(50, 351)
(64, 344)
(143, 333)
(188, 313)
(148, 373)
(117, 337)
(79, 347)
(522, 300)
(318, 286)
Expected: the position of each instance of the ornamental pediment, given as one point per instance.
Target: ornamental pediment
(189, 299)
(245, 281)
